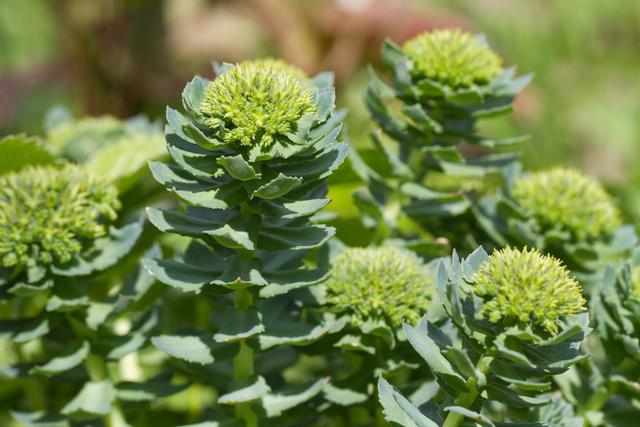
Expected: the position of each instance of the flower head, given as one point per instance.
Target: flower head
(526, 286)
(255, 100)
(379, 283)
(47, 215)
(453, 58)
(567, 199)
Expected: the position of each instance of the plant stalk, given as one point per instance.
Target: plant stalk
(243, 362)
(97, 369)
(466, 400)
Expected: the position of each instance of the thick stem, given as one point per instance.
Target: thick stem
(243, 362)
(466, 400)
(97, 369)
(31, 386)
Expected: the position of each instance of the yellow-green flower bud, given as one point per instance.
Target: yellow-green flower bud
(48, 214)
(567, 200)
(379, 284)
(528, 287)
(256, 100)
(453, 58)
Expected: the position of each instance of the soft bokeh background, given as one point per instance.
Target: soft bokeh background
(124, 57)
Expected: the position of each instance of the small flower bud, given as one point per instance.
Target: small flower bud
(452, 58)
(379, 283)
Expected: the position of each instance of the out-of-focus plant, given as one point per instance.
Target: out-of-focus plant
(67, 310)
(517, 319)
(251, 156)
(371, 291)
(443, 83)
(607, 391)
(115, 150)
(559, 211)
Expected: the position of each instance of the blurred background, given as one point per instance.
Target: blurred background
(126, 57)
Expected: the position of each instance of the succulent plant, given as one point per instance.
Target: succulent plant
(526, 286)
(49, 216)
(560, 211)
(251, 156)
(565, 200)
(387, 284)
(443, 83)
(57, 237)
(506, 359)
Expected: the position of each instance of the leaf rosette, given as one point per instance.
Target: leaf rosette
(58, 238)
(371, 291)
(560, 211)
(251, 154)
(442, 83)
(58, 222)
(249, 198)
(518, 319)
(616, 310)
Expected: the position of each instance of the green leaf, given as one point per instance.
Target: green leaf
(420, 117)
(511, 397)
(396, 413)
(238, 325)
(284, 332)
(18, 151)
(63, 363)
(392, 54)
(193, 349)
(389, 123)
(40, 419)
(430, 352)
(179, 128)
(247, 390)
(320, 166)
(325, 103)
(94, 399)
(125, 345)
(148, 391)
(277, 187)
(238, 167)
(106, 252)
(293, 238)
(276, 403)
(283, 281)
(343, 396)
(124, 162)
(472, 415)
(23, 330)
(186, 277)
(231, 238)
(193, 223)
(97, 313)
(438, 208)
(193, 95)
(472, 263)
(66, 297)
(22, 289)
(398, 167)
(293, 209)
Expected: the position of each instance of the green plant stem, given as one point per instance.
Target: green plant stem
(31, 386)
(243, 362)
(97, 369)
(466, 400)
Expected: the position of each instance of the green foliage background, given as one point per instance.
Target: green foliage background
(122, 57)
